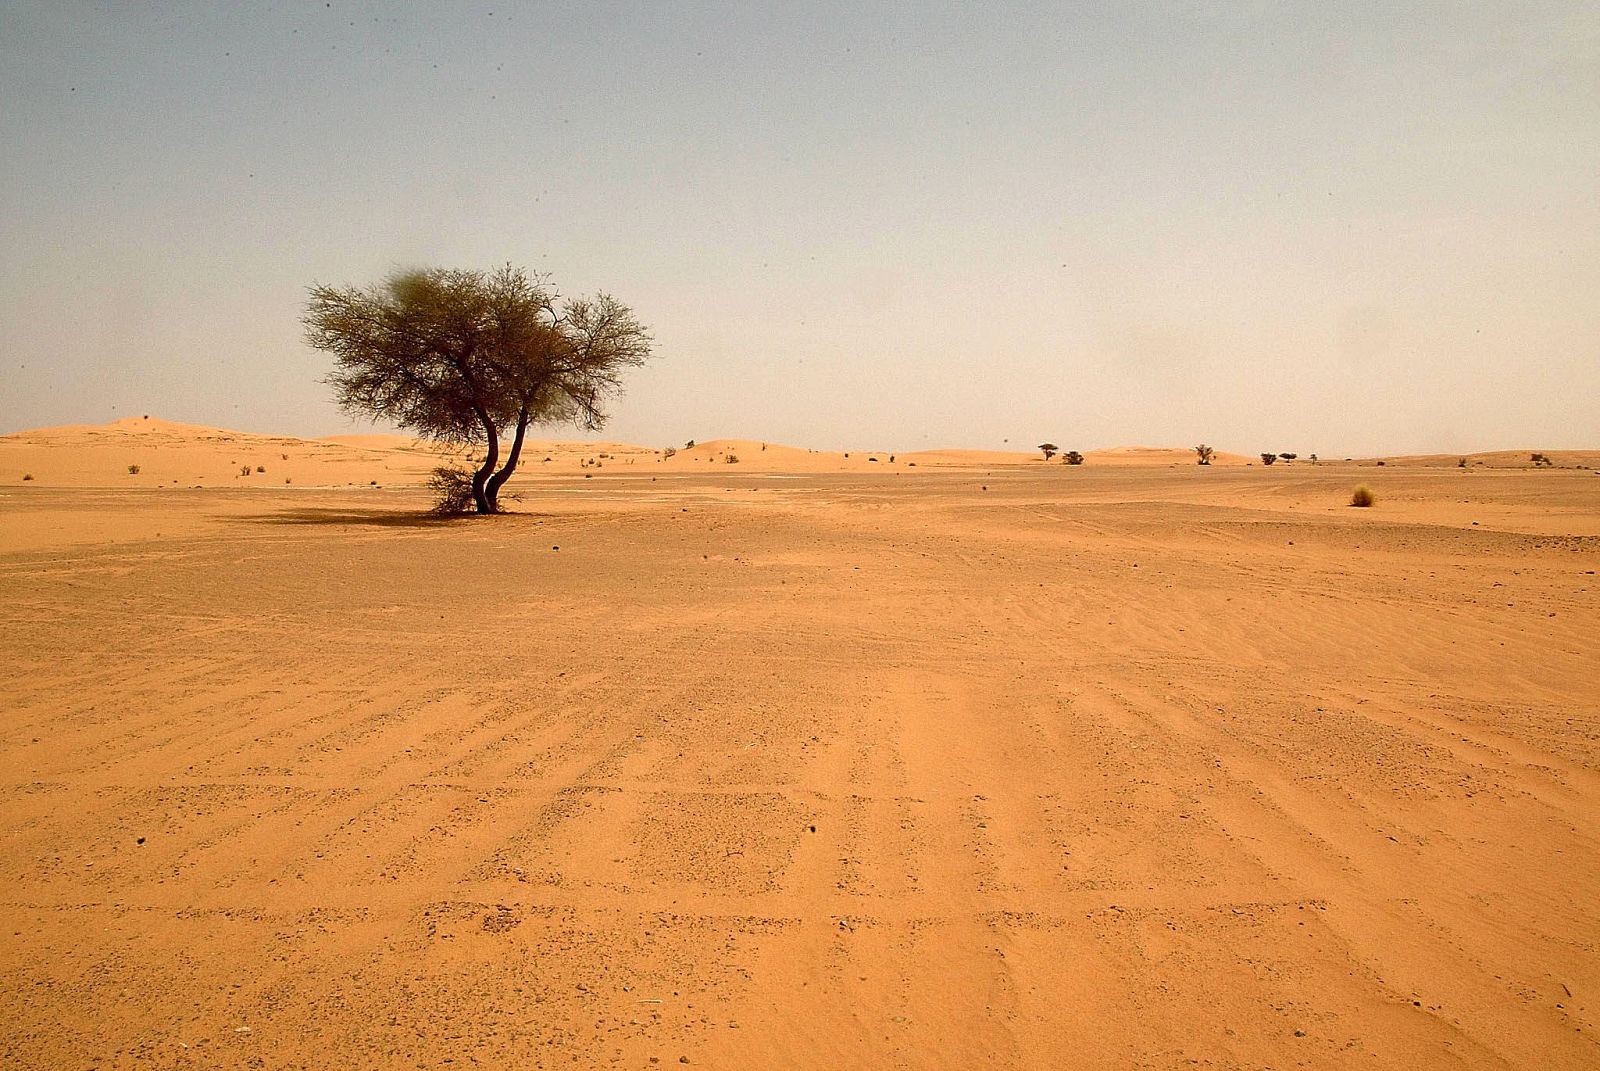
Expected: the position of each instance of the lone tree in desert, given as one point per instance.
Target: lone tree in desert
(467, 357)
(1203, 454)
(1048, 450)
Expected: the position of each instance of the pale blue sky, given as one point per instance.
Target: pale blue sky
(1344, 228)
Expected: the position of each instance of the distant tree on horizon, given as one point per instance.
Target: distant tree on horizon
(1267, 459)
(1204, 454)
(1049, 450)
(464, 357)
(1072, 457)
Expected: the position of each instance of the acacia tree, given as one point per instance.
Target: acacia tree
(1048, 450)
(468, 357)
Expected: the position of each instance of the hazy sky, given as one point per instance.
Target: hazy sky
(1342, 228)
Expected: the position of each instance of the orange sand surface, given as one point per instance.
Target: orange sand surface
(792, 764)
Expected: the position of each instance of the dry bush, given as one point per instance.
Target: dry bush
(452, 491)
(133, 470)
(26, 476)
(1362, 496)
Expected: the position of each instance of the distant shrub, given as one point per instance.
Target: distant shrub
(1203, 454)
(1072, 457)
(26, 476)
(284, 456)
(732, 459)
(133, 470)
(452, 490)
(891, 459)
(1461, 464)
(669, 451)
(244, 470)
(1362, 496)
(1313, 459)
(1267, 459)
(1539, 459)
(261, 468)
(1288, 457)
(689, 445)
(1049, 450)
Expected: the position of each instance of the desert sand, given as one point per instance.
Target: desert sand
(803, 761)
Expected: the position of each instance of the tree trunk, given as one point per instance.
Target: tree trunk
(492, 488)
(481, 498)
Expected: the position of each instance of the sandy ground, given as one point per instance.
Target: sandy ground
(1023, 767)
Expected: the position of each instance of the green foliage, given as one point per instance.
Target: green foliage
(472, 357)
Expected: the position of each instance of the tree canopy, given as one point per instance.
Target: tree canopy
(469, 357)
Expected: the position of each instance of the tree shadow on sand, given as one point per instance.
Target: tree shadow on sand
(379, 518)
(334, 516)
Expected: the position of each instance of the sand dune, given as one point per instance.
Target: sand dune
(1117, 766)
(187, 455)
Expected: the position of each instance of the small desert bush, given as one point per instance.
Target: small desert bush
(1203, 454)
(452, 490)
(1267, 459)
(261, 468)
(669, 451)
(1073, 458)
(244, 470)
(732, 459)
(133, 470)
(1362, 496)
(26, 476)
